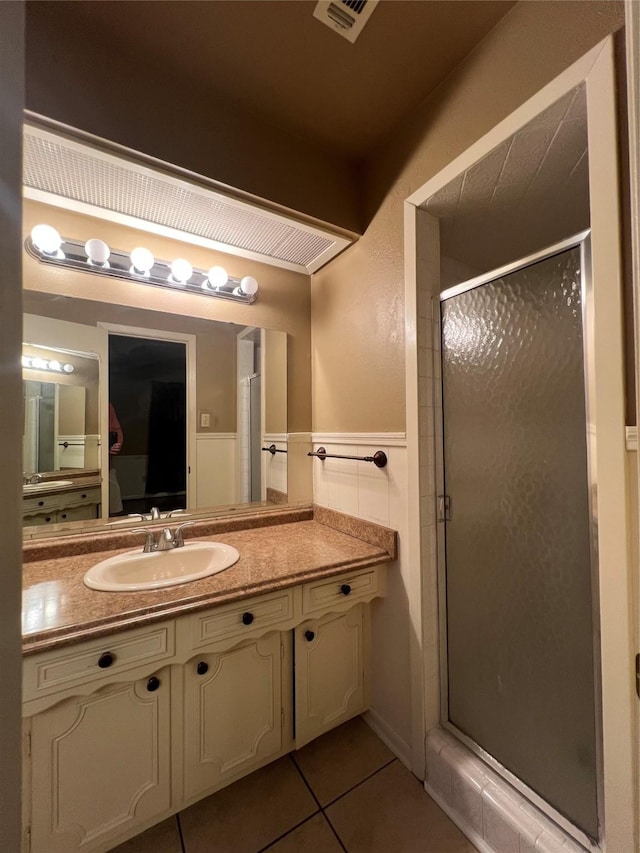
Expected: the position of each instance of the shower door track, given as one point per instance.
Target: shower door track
(581, 240)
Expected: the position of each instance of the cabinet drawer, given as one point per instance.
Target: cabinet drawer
(242, 617)
(81, 497)
(96, 660)
(342, 590)
(43, 503)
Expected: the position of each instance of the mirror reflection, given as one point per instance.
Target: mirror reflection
(173, 418)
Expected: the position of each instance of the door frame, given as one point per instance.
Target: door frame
(190, 355)
(422, 256)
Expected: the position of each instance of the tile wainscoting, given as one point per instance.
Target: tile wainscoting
(378, 495)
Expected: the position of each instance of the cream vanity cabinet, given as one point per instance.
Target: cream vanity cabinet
(98, 739)
(60, 507)
(125, 730)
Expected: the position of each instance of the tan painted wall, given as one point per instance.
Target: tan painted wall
(283, 302)
(358, 329)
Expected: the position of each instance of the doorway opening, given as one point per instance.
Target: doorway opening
(547, 171)
(148, 425)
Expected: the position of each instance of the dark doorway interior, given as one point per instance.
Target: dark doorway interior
(147, 389)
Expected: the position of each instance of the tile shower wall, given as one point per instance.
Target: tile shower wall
(379, 495)
(492, 814)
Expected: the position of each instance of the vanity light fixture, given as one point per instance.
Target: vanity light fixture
(47, 241)
(95, 256)
(97, 252)
(141, 261)
(36, 363)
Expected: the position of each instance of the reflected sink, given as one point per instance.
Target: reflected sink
(45, 486)
(136, 571)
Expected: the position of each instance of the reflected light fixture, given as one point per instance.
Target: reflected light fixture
(36, 363)
(140, 266)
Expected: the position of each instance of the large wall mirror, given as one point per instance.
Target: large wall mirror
(155, 410)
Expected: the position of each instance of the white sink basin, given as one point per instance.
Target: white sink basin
(45, 486)
(136, 570)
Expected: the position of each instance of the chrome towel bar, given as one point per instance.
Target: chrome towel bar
(379, 458)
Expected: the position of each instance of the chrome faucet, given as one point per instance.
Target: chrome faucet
(166, 540)
(154, 514)
(31, 479)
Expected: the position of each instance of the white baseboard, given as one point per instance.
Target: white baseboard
(389, 736)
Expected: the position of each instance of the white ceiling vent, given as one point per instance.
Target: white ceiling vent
(78, 175)
(346, 17)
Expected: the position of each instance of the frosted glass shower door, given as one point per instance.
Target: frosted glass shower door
(519, 599)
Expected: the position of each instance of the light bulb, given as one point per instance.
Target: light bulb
(68, 368)
(39, 363)
(55, 365)
(26, 361)
(142, 260)
(181, 270)
(217, 277)
(248, 285)
(97, 251)
(46, 239)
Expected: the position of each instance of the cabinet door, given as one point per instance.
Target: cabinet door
(232, 712)
(100, 765)
(329, 673)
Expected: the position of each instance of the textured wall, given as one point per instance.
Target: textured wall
(358, 299)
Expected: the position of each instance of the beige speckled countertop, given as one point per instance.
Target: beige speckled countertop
(75, 483)
(277, 550)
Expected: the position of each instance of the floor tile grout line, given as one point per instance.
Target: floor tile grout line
(298, 768)
(334, 830)
(182, 844)
(284, 834)
(357, 785)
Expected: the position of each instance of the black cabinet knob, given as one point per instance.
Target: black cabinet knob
(105, 660)
(153, 683)
(202, 667)
(309, 635)
(247, 618)
(345, 589)
(40, 503)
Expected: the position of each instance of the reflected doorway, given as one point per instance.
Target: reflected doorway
(148, 424)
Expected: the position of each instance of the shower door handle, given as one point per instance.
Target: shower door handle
(444, 508)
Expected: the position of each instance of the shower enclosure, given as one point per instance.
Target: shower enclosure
(517, 540)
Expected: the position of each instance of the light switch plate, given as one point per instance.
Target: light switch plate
(205, 419)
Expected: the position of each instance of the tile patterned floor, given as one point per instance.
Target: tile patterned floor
(343, 793)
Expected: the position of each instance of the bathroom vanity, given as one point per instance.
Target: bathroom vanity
(62, 497)
(148, 702)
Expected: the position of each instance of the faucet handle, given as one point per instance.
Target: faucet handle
(149, 545)
(179, 541)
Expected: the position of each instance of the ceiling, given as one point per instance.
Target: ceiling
(532, 190)
(272, 59)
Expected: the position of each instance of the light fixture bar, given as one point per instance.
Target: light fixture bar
(35, 363)
(175, 275)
